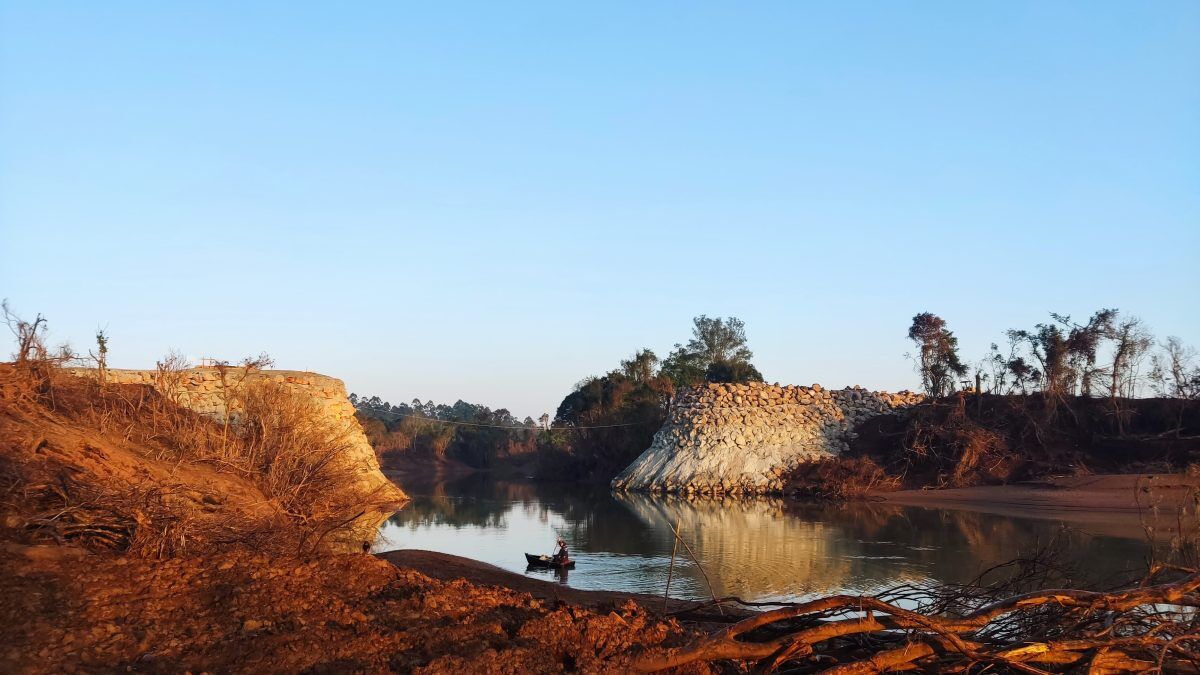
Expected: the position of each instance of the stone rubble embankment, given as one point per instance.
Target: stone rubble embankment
(743, 438)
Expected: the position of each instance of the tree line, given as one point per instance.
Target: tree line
(607, 420)
(1107, 355)
(466, 432)
(600, 426)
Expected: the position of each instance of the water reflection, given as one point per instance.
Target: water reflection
(760, 550)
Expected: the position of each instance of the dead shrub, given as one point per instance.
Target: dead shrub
(35, 365)
(43, 502)
(957, 449)
(840, 478)
(293, 452)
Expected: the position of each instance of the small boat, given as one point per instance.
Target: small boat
(547, 561)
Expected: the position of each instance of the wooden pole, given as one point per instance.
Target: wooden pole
(696, 560)
(978, 395)
(671, 569)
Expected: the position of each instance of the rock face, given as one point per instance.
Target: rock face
(741, 438)
(203, 389)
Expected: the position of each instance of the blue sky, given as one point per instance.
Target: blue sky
(490, 201)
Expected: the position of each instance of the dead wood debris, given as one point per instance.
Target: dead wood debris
(1150, 626)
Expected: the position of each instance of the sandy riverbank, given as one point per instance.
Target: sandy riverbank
(1122, 504)
(1129, 493)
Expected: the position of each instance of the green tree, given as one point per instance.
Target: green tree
(1066, 352)
(717, 352)
(640, 366)
(609, 421)
(937, 356)
(683, 367)
(719, 340)
(736, 371)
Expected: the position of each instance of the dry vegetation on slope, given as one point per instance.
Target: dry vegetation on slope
(123, 467)
(966, 440)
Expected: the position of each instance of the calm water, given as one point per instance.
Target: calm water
(758, 550)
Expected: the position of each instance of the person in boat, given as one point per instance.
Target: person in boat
(560, 555)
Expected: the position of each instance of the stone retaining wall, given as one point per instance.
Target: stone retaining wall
(742, 438)
(203, 389)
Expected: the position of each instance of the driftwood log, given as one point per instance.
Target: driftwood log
(1150, 627)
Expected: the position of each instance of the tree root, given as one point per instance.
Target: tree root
(1145, 627)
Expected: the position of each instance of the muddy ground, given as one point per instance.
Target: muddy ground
(67, 610)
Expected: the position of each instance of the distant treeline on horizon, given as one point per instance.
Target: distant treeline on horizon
(616, 414)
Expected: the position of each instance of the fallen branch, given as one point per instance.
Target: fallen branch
(1146, 626)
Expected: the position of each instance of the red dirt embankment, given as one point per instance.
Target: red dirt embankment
(136, 535)
(69, 611)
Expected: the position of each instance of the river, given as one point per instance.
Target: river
(761, 550)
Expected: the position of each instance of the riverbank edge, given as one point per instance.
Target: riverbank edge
(447, 567)
(1109, 493)
(1117, 493)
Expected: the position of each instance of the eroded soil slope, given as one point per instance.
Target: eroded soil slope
(69, 611)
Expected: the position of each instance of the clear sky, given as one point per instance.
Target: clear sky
(490, 201)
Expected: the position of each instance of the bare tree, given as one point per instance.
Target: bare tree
(30, 335)
(168, 375)
(232, 377)
(100, 356)
(997, 375)
(1131, 341)
(1174, 374)
(1066, 352)
(1083, 345)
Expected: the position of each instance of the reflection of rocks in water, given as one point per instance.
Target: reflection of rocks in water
(957, 545)
(770, 548)
(753, 548)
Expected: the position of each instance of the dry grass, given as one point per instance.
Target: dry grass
(278, 443)
(144, 519)
(839, 478)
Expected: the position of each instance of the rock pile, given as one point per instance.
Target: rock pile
(742, 438)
